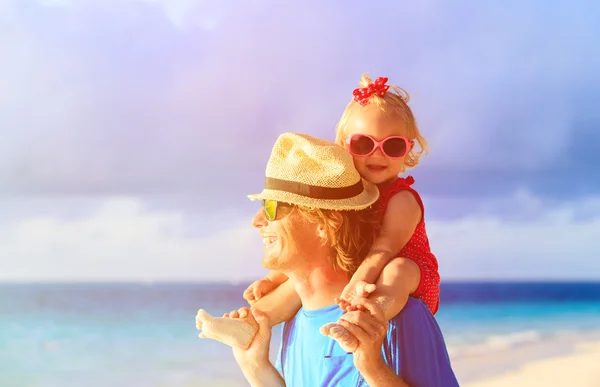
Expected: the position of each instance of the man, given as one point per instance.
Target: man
(317, 226)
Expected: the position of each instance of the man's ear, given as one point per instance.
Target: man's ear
(338, 219)
(321, 232)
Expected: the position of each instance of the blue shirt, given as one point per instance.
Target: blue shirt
(414, 349)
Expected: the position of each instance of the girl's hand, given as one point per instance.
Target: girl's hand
(354, 290)
(258, 289)
(257, 355)
(369, 326)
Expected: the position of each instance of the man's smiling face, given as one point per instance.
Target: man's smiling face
(288, 240)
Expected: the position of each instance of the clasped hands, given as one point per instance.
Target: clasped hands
(364, 319)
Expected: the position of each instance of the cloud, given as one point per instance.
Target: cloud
(183, 14)
(560, 243)
(126, 240)
(137, 98)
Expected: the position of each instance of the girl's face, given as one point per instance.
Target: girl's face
(377, 167)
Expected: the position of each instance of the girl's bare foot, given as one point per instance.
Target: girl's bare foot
(231, 330)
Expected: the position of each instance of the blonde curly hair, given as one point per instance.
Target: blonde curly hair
(349, 233)
(395, 101)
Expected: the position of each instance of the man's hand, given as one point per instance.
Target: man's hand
(254, 361)
(354, 291)
(369, 326)
(258, 289)
(257, 354)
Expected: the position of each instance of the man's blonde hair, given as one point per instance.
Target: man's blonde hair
(349, 233)
(394, 102)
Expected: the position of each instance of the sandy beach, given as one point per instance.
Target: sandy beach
(580, 367)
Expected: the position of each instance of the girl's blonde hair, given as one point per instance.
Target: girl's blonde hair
(350, 234)
(395, 101)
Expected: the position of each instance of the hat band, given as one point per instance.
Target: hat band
(313, 191)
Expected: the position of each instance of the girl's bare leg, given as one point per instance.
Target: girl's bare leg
(399, 278)
(280, 305)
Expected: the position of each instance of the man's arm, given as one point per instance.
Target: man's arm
(370, 328)
(380, 375)
(254, 361)
(263, 376)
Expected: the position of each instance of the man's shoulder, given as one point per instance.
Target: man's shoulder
(415, 319)
(414, 314)
(413, 310)
(415, 347)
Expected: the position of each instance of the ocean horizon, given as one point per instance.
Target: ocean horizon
(119, 334)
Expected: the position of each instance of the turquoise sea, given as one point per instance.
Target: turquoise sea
(117, 335)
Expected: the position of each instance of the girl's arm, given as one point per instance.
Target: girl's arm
(402, 216)
(264, 286)
(277, 277)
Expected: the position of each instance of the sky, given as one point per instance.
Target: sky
(132, 130)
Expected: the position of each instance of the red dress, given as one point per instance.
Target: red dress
(417, 248)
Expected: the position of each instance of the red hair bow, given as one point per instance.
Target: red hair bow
(362, 95)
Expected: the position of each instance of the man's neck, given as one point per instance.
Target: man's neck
(318, 287)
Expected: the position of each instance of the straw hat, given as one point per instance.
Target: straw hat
(315, 173)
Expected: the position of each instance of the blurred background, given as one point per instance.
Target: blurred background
(132, 131)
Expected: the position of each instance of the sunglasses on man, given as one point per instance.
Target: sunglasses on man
(270, 207)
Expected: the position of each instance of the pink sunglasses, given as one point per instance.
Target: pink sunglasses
(394, 147)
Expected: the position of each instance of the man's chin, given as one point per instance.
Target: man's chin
(274, 265)
(269, 263)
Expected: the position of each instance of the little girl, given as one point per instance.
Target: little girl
(380, 131)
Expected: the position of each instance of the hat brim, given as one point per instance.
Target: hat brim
(364, 200)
